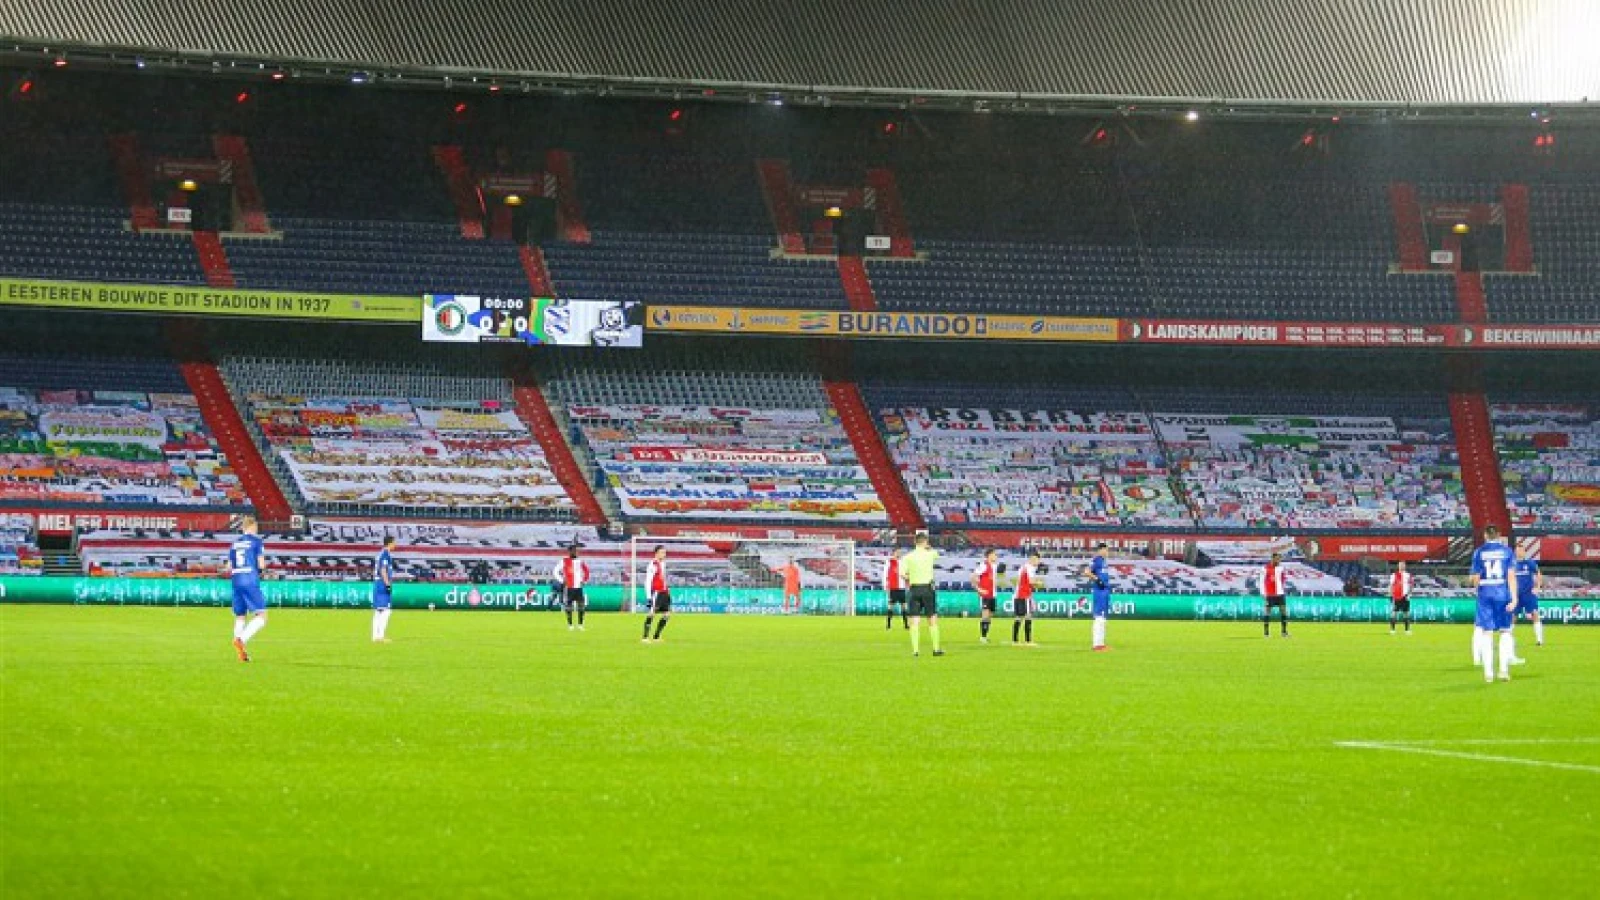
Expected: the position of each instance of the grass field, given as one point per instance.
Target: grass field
(497, 754)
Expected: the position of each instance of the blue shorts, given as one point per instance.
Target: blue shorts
(381, 597)
(1492, 615)
(1100, 604)
(1527, 603)
(247, 598)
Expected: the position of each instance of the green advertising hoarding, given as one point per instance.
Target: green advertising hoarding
(754, 601)
(208, 301)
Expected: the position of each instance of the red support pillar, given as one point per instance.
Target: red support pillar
(534, 411)
(891, 212)
(463, 192)
(249, 206)
(857, 286)
(1408, 231)
(778, 189)
(1480, 464)
(135, 182)
(1518, 231)
(213, 259)
(533, 265)
(570, 223)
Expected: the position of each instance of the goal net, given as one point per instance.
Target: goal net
(747, 575)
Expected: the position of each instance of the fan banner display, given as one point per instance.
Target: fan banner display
(217, 593)
(1248, 431)
(738, 457)
(1020, 423)
(695, 414)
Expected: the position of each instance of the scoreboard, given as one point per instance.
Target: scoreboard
(485, 318)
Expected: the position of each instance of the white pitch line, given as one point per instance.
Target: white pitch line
(1457, 754)
(1429, 743)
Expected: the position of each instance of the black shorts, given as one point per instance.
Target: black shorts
(1402, 606)
(662, 603)
(923, 601)
(987, 604)
(1022, 609)
(1277, 601)
(574, 595)
(898, 595)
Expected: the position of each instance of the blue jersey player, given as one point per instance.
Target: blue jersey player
(1099, 576)
(1494, 575)
(382, 590)
(1529, 582)
(247, 557)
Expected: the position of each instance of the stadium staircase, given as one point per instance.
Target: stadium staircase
(857, 286)
(534, 411)
(1408, 227)
(135, 188)
(222, 417)
(1480, 465)
(452, 162)
(213, 259)
(862, 429)
(1471, 302)
(533, 265)
(778, 189)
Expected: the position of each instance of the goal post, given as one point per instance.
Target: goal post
(746, 576)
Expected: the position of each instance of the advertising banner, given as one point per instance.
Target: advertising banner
(850, 324)
(1567, 548)
(206, 301)
(761, 601)
(1529, 337)
(1247, 431)
(732, 457)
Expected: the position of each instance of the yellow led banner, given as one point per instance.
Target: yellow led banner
(208, 301)
(851, 324)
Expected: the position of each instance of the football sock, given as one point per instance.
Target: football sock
(1016, 627)
(1392, 622)
(1266, 623)
(380, 621)
(582, 608)
(661, 625)
(1283, 618)
(238, 628)
(983, 627)
(1508, 651)
(1484, 648)
(904, 622)
(933, 632)
(569, 615)
(1538, 631)
(647, 625)
(1408, 621)
(256, 624)
(1028, 628)
(888, 621)
(1099, 631)
(916, 638)
(1477, 645)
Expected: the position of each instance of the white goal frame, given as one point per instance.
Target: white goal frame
(641, 548)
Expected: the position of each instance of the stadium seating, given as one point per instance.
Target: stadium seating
(971, 456)
(379, 436)
(730, 445)
(90, 243)
(19, 551)
(1313, 462)
(1550, 463)
(1565, 221)
(107, 432)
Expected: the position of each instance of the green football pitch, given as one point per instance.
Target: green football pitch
(497, 754)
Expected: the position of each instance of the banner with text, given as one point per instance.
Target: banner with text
(850, 324)
(1022, 423)
(208, 301)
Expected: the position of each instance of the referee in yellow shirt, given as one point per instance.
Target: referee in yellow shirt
(917, 567)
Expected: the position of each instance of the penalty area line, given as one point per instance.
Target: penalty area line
(1461, 754)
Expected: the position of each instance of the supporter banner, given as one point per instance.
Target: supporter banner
(370, 531)
(1307, 334)
(207, 301)
(1411, 549)
(103, 425)
(470, 419)
(700, 414)
(1021, 423)
(1243, 431)
(58, 522)
(735, 457)
(358, 595)
(841, 323)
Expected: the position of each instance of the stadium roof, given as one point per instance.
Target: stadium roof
(1304, 52)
